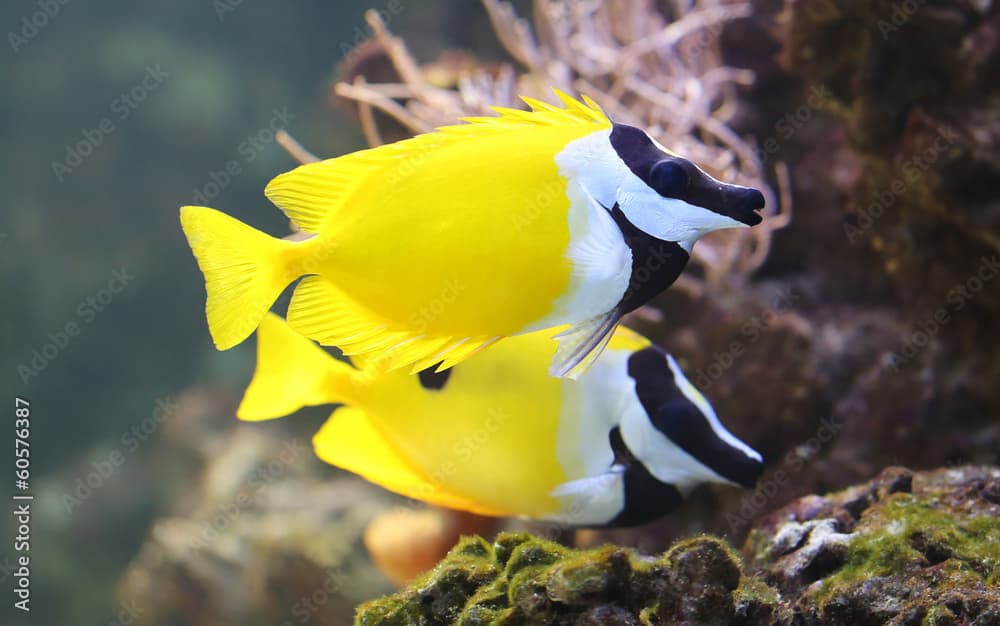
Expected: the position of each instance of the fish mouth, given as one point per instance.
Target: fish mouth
(751, 218)
(745, 205)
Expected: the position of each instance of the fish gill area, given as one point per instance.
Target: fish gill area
(854, 339)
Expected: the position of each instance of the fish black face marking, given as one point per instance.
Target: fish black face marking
(682, 422)
(656, 264)
(675, 177)
(432, 380)
(669, 178)
(646, 498)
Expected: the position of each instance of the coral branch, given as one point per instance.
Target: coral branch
(642, 68)
(294, 148)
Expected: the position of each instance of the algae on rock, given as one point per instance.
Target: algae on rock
(523, 579)
(904, 548)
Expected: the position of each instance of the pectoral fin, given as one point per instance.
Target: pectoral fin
(593, 500)
(589, 486)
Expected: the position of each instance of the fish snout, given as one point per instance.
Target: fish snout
(743, 203)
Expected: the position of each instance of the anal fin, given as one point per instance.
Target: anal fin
(581, 344)
(350, 441)
(322, 312)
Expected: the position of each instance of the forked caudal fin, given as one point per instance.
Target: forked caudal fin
(245, 271)
(293, 372)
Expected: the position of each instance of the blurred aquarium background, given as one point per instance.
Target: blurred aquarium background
(188, 87)
(114, 114)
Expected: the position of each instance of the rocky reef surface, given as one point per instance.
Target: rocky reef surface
(903, 548)
(522, 579)
(867, 338)
(266, 534)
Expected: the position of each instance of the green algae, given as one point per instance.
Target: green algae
(906, 535)
(440, 594)
(904, 548)
(524, 579)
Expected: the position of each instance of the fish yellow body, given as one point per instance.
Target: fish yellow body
(427, 250)
(497, 436)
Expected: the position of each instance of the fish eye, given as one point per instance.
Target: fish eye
(669, 178)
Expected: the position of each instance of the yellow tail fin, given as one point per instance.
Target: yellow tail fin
(245, 271)
(293, 372)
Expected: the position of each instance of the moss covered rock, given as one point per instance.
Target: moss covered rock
(521, 579)
(906, 548)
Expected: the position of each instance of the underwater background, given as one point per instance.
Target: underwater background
(865, 336)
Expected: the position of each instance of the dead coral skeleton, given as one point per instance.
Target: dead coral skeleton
(665, 76)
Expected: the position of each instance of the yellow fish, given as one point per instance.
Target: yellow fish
(427, 250)
(496, 435)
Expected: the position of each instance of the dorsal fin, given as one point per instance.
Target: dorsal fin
(575, 113)
(311, 194)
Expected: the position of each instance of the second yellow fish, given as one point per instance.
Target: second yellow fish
(496, 435)
(427, 250)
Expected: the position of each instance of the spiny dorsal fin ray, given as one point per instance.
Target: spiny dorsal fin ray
(311, 194)
(576, 112)
(582, 343)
